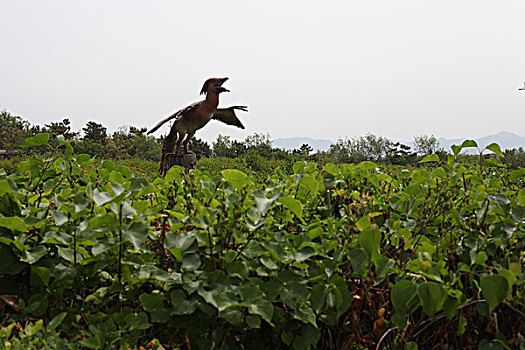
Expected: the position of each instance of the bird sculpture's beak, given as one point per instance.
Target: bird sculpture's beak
(219, 85)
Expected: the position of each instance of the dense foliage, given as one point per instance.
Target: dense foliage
(339, 257)
(132, 143)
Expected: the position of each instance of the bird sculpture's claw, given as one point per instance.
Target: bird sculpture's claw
(241, 108)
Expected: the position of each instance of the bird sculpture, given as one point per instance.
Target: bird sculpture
(192, 118)
(522, 88)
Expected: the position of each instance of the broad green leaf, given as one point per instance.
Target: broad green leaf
(101, 197)
(32, 256)
(154, 304)
(383, 266)
(37, 140)
(102, 220)
(56, 321)
(237, 269)
(402, 293)
(13, 223)
(495, 344)
(253, 321)
(237, 179)
(174, 174)
(307, 337)
(4, 187)
(358, 259)
(182, 305)
(305, 314)
(60, 217)
(411, 345)
(363, 223)
(186, 242)
(432, 296)
(369, 240)
(137, 320)
(263, 308)
(128, 211)
(262, 202)
(430, 158)
(40, 276)
(521, 197)
(494, 289)
(456, 149)
(478, 258)
(33, 328)
(510, 280)
(9, 263)
(136, 233)
(310, 183)
(494, 147)
(299, 166)
(317, 297)
(69, 149)
(108, 164)
(287, 337)
(191, 262)
(293, 205)
(124, 171)
(516, 174)
(461, 325)
(233, 315)
(37, 305)
(515, 269)
(469, 143)
(367, 165)
(83, 159)
(491, 162)
(450, 306)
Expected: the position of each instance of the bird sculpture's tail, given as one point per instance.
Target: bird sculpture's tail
(163, 121)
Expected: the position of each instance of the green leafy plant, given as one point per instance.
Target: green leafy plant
(326, 256)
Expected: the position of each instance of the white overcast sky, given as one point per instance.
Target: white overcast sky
(322, 69)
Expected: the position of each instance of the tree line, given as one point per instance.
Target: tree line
(129, 142)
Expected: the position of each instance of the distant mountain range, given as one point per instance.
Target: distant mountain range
(505, 139)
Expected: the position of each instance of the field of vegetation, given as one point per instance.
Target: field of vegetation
(95, 254)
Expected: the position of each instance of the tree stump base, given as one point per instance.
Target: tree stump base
(188, 160)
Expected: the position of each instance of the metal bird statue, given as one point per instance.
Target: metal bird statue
(192, 118)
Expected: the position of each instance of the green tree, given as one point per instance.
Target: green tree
(222, 147)
(200, 148)
(132, 142)
(60, 128)
(14, 130)
(95, 132)
(260, 143)
(369, 147)
(425, 145)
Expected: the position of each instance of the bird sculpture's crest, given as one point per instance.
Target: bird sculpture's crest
(207, 84)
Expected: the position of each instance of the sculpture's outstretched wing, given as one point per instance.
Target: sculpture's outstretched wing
(175, 115)
(227, 115)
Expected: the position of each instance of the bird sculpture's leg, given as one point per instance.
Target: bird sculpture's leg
(179, 140)
(187, 140)
(167, 147)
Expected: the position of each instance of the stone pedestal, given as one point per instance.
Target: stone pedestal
(188, 161)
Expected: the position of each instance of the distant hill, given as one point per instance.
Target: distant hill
(291, 143)
(506, 140)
